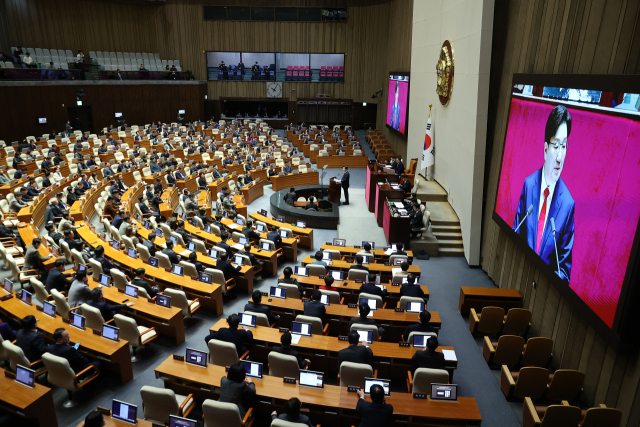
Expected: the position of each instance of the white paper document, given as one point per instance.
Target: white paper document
(295, 338)
(394, 271)
(233, 226)
(389, 251)
(185, 253)
(238, 246)
(449, 355)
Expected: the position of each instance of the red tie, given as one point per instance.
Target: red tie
(543, 214)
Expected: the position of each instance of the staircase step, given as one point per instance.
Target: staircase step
(445, 222)
(449, 236)
(445, 228)
(450, 243)
(450, 251)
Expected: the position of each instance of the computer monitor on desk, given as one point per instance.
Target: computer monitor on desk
(252, 369)
(163, 300)
(77, 321)
(25, 376)
(312, 379)
(196, 357)
(301, 328)
(372, 303)
(339, 242)
(415, 307)
(368, 382)
(104, 280)
(124, 412)
(248, 320)
(420, 341)
(175, 421)
(49, 309)
(276, 292)
(302, 271)
(365, 336)
(326, 256)
(446, 392)
(131, 291)
(337, 275)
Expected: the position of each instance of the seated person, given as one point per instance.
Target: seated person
(232, 334)
(311, 204)
(56, 279)
(429, 357)
(62, 348)
(256, 306)
(285, 348)
(364, 311)
(376, 413)
(411, 289)
(248, 232)
(168, 251)
(274, 236)
(318, 260)
(29, 340)
(227, 268)
(358, 265)
(139, 281)
(256, 263)
(224, 236)
(423, 326)
(315, 308)
(354, 353)
(292, 413)
(237, 388)
(193, 259)
(328, 282)
(366, 250)
(399, 249)
(370, 288)
(105, 263)
(151, 247)
(288, 272)
(107, 311)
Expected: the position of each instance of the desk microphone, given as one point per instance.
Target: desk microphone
(555, 244)
(529, 211)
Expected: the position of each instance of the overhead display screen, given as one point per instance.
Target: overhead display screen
(398, 102)
(569, 187)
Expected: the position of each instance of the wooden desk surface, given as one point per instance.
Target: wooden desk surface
(113, 352)
(343, 265)
(111, 422)
(490, 292)
(478, 298)
(294, 180)
(352, 251)
(305, 234)
(457, 413)
(36, 402)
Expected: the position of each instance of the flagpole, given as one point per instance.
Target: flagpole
(428, 117)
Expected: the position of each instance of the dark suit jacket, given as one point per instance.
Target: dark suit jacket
(291, 352)
(173, 256)
(6, 332)
(345, 180)
(234, 336)
(106, 310)
(275, 238)
(399, 168)
(31, 343)
(76, 360)
(416, 220)
(301, 419)
(416, 327)
(147, 287)
(238, 393)
(428, 359)
(370, 288)
(224, 246)
(355, 354)
(227, 269)
(314, 309)
(562, 209)
(407, 290)
(359, 267)
(374, 414)
(106, 265)
(260, 308)
(249, 233)
(58, 281)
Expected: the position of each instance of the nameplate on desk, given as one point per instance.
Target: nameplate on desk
(395, 284)
(343, 338)
(356, 247)
(405, 344)
(178, 357)
(194, 277)
(353, 305)
(321, 277)
(9, 375)
(399, 310)
(96, 332)
(151, 300)
(264, 294)
(39, 308)
(287, 380)
(283, 330)
(66, 320)
(419, 395)
(352, 389)
(305, 299)
(104, 411)
(387, 263)
(358, 281)
(121, 291)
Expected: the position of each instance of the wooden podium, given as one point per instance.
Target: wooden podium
(335, 189)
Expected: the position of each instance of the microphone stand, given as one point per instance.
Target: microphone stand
(555, 243)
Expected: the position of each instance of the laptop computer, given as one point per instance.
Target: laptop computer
(213, 254)
(260, 228)
(446, 392)
(325, 299)
(49, 309)
(25, 297)
(205, 278)
(373, 303)
(248, 320)
(301, 328)
(337, 275)
(177, 270)
(302, 271)
(131, 291)
(276, 292)
(365, 336)
(252, 369)
(238, 260)
(191, 246)
(110, 332)
(104, 280)
(175, 421)
(196, 357)
(265, 246)
(420, 341)
(163, 301)
(368, 382)
(25, 376)
(124, 412)
(415, 307)
(312, 379)
(77, 321)
(339, 242)
(373, 245)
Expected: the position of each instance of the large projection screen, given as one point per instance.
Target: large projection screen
(398, 102)
(569, 187)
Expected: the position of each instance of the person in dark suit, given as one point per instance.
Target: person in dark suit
(6, 332)
(288, 272)
(285, 348)
(29, 340)
(148, 243)
(364, 310)
(228, 269)
(224, 236)
(358, 265)
(274, 236)
(105, 263)
(315, 308)
(168, 251)
(232, 334)
(411, 289)
(202, 214)
(292, 413)
(311, 204)
(399, 249)
(256, 306)
(370, 288)
(429, 358)
(61, 348)
(406, 184)
(423, 326)
(354, 353)
(247, 230)
(193, 259)
(182, 232)
(345, 184)
(256, 263)
(34, 261)
(56, 279)
(237, 388)
(376, 413)
(416, 221)
(139, 281)
(546, 198)
(399, 166)
(107, 311)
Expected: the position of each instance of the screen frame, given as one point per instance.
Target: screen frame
(122, 419)
(615, 83)
(406, 120)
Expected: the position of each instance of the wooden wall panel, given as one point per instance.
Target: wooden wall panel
(376, 39)
(558, 36)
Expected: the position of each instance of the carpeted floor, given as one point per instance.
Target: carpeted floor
(444, 276)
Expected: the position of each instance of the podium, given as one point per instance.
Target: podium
(373, 178)
(335, 189)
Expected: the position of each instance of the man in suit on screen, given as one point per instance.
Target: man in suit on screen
(395, 111)
(545, 202)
